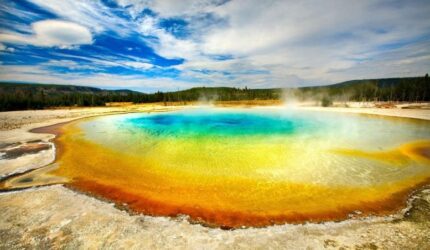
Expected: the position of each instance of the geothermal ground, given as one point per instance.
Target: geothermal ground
(54, 216)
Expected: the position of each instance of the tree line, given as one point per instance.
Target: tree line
(18, 96)
(412, 89)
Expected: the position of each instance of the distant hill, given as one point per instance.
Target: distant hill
(58, 89)
(383, 82)
(389, 89)
(411, 89)
(19, 96)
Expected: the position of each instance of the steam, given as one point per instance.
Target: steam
(207, 100)
(289, 98)
(299, 97)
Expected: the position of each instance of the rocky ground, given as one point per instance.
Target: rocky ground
(56, 217)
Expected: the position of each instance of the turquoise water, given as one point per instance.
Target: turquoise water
(355, 131)
(220, 124)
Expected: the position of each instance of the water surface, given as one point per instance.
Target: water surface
(248, 167)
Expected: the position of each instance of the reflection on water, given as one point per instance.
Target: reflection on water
(233, 167)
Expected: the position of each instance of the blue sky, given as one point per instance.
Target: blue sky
(151, 45)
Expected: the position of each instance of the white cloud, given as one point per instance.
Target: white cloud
(166, 44)
(40, 75)
(95, 62)
(138, 65)
(49, 33)
(258, 26)
(72, 65)
(169, 8)
(312, 40)
(297, 42)
(89, 13)
(3, 48)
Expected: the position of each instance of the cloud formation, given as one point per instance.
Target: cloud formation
(180, 44)
(52, 33)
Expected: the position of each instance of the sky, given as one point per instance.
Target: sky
(165, 45)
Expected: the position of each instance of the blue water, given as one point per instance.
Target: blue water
(220, 124)
(268, 124)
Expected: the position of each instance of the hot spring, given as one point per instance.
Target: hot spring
(248, 167)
